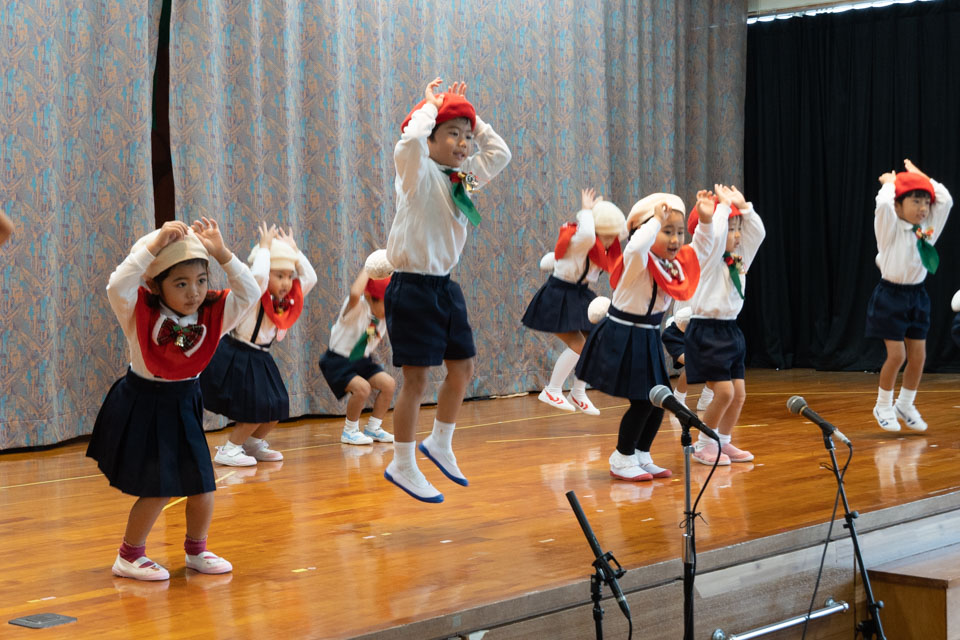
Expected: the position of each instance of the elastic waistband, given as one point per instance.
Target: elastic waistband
(170, 387)
(249, 346)
(563, 284)
(425, 279)
(652, 320)
(901, 287)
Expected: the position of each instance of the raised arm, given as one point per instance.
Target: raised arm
(356, 290)
(411, 151)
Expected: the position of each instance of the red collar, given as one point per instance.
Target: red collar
(677, 289)
(284, 319)
(600, 256)
(169, 361)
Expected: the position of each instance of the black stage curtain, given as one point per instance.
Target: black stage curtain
(833, 101)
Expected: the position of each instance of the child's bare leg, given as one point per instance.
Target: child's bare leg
(407, 408)
(242, 431)
(199, 511)
(896, 354)
(454, 387)
(359, 390)
(384, 383)
(730, 416)
(143, 515)
(723, 396)
(403, 470)
(574, 340)
(264, 429)
(905, 409)
(682, 382)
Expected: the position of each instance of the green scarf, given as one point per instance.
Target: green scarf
(361, 346)
(928, 253)
(463, 182)
(734, 262)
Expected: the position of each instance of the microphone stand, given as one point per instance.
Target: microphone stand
(871, 627)
(689, 535)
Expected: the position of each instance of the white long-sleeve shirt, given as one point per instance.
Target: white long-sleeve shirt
(716, 297)
(261, 272)
(429, 231)
(570, 267)
(635, 288)
(351, 324)
(897, 254)
(122, 294)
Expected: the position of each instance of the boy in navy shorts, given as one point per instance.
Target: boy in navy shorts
(911, 211)
(425, 310)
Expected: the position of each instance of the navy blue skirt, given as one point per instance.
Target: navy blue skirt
(898, 311)
(244, 384)
(339, 371)
(559, 306)
(673, 340)
(624, 360)
(148, 438)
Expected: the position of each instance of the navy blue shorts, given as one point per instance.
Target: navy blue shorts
(427, 320)
(339, 371)
(714, 350)
(673, 340)
(898, 311)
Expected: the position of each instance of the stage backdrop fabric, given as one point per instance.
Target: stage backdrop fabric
(288, 112)
(833, 101)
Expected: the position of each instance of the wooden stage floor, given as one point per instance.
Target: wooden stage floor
(324, 547)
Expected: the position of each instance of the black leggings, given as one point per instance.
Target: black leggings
(638, 427)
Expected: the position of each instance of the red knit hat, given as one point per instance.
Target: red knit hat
(907, 182)
(694, 219)
(377, 288)
(454, 106)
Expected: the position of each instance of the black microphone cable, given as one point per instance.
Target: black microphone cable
(826, 545)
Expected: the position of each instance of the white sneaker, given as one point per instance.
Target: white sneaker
(627, 468)
(378, 434)
(555, 400)
(444, 459)
(143, 568)
(646, 463)
(355, 437)
(911, 417)
(262, 452)
(207, 562)
(413, 482)
(232, 455)
(583, 404)
(886, 418)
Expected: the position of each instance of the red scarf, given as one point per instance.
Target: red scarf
(674, 287)
(168, 360)
(599, 255)
(284, 313)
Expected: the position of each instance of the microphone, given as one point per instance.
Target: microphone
(609, 575)
(662, 397)
(798, 405)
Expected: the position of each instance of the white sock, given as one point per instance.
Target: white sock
(349, 426)
(703, 440)
(643, 457)
(905, 399)
(443, 433)
(579, 388)
(885, 397)
(403, 455)
(707, 394)
(564, 367)
(725, 439)
(681, 396)
(373, 423)
(230, 447)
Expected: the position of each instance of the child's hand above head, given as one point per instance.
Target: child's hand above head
(433, 98)
(459, 88)
(266, 235)
(736, 198)
(588, 198)
(912, 168)
(170, 232)
(705, 205)
(208, 231)
(888, 178)
(287, 236)
(723, 194)
(661, 211)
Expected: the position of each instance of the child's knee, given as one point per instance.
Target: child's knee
(460, 370)
(359, 387)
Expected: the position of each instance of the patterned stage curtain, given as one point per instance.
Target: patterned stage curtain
(288, 111)
(75, 179)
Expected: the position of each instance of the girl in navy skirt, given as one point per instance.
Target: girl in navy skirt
(584, 249)
(148, 438)
(623, 355)
(673, 342)
(243, 382)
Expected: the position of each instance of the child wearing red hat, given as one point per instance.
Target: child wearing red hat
(347, 365)
(911, 212)
(714, 347)
(425, 310)
(623, 355)
(584, 249)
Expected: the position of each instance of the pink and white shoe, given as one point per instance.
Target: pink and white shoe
(143, 568)
(627, 468)
(555, 400)
(262, 452)
(583, 404)
(208, 562)
(707, 454)
(735, 454)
